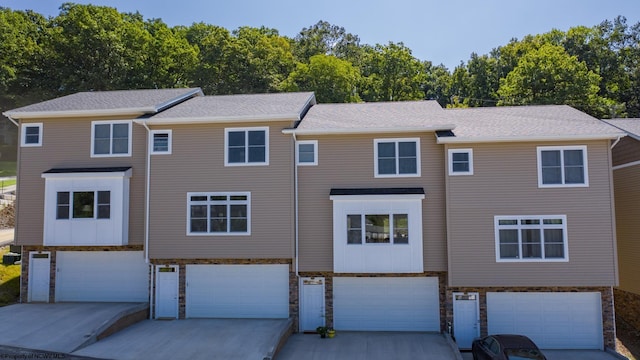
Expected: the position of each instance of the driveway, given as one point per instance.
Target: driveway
(368, 345)
(568, 355)
(192, 339)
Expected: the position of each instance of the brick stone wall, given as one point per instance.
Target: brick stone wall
(627, 307)
(24, 271)
(606, 294)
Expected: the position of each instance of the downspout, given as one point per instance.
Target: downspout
(616, 142)
(15, 225)
(13, 121)
(295, 203)
(146, 222)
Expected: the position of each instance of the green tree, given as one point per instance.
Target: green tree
(333, 80)
(437, 83)
(326, 39)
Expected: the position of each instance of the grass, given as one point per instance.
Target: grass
(9, 182)
(9, 281)
(7, 168)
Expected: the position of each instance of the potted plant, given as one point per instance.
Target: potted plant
(322, 330)
(331, 333)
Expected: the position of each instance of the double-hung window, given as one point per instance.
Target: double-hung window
(31, 135)
(160, 142)
(562, 166)
(111, 138)
(531, 238)
(307, 152)
(246, 146)
(83, 205)
(377, 229)
(460, 162)
(397, 157)
(219, 214)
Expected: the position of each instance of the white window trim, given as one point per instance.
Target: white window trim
(539, 150)
(95, 206)
(169, 140)
(190, 194)
(458, 151)
(246, 163)
(111, 122)
(496, 219)
(398, 175)
(23, 136)
(363, 229)
(315, 152)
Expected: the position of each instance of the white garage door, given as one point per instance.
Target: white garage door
(551, 320)
(237, 291)
(386, 303)
(102, 276)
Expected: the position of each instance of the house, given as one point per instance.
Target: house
(396, 216)
(626, 178)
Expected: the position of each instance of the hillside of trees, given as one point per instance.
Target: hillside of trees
(86, 47)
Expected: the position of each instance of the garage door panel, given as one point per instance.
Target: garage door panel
(114, 276)
(551, 320)
(237, 291)
(385, 303)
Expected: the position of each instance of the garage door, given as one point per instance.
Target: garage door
(102, 276)
(386, 303)
(551, 320)
(237, 291)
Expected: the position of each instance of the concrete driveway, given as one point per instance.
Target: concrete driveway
(569, 355)
(192, 339)
(369, 346)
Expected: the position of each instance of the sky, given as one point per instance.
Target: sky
(443, 32)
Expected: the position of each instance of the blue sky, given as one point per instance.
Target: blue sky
(445, 31)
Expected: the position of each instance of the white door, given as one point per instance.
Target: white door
(560, 320)
(237, 291)
(311, 304)
(466, 319)
(102, 276)
(167, 292)
(39, 275)
(386, 303)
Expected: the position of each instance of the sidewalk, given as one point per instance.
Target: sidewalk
(6, 237)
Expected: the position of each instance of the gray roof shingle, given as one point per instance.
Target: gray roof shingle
(224, 108)
(630, 126)
(146, 101)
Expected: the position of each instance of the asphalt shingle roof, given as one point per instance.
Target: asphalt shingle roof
(239, 107)
(118, 101)
(631, 126)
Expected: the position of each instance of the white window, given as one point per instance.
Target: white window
(397, 157)
(460, 162)
(307, 152)
(531, 238)
(160, 142)
(111, 138)
(246, 146)
(562, 166)
(219, 213)
(31, 134)
(377, 229)
(83, 205)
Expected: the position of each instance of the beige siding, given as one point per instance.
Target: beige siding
(505, 182)
(626, 150)
(67, 144)
(197, 165)
(348, 162)
(627, 199)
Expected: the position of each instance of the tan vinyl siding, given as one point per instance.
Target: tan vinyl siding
(348, 162)
(197, 165)
(67, 144)
(626, 150)
(627, 199)
(505, 182)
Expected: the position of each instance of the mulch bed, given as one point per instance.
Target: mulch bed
(7, 217)
(628, 340)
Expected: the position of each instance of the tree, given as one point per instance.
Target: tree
(333, 80)
(391, 73)
(324, 38)
(549, 75)
(437, 83)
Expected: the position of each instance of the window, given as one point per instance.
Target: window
(307, 152)
(84, 205)
(160, 142)
(246, 146)
(531, 238)
(460, 162)
(219, 214)
(31, 135)
(110, 138)
(378, 228)
(397, 157)
(562, 166)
